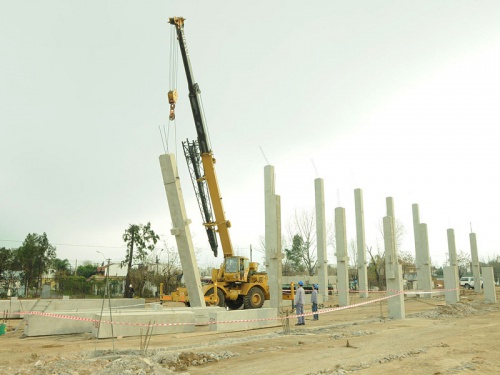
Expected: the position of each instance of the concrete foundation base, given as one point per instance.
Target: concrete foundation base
(16, 306)
(128, 322)
(452, 294)
(201, 314)
(490, 295)
(251, 317)
(40, 325)
(134, 323)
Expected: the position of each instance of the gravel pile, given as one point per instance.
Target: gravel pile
(457, 310)
(125, 362)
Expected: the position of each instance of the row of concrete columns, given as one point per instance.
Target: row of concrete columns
(274, 256)
(394, 274)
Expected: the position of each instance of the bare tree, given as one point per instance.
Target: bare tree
(407, 261)
(376, 267)
(331, 240)
(399, 232)
(303, 224)
(353, 253)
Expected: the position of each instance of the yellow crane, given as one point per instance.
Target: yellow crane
(237, 282)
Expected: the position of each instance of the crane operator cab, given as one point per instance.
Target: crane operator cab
(236, 269)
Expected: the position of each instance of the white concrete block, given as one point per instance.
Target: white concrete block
(43, 325)
(245, 319)
(128, 323)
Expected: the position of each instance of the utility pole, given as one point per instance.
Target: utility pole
(130, 255)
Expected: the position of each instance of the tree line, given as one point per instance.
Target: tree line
(25, 267)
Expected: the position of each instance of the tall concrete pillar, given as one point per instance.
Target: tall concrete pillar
(393, 257)
(416, 233)
(452, 248)
(393, 271)
(389, 203)
(342, 257)
(424, 275)
(319, 190)
(476, 272)
(361, 243)
(451, 285)
(180, 229)
(273, 239)
(490, 295)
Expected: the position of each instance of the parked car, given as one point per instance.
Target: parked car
(468, 282)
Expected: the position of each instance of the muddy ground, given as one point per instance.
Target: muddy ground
(433, 339)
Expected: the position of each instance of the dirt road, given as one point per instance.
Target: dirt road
(433, 339)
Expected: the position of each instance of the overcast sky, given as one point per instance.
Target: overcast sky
(398, 98)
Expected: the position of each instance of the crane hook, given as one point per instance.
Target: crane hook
(172, 99)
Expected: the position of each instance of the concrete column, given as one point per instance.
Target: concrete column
(416, 234)
(180, 229)
(452, 294)
(476, 272)
(273, 239)
(319, 190)
(424, 276)
(490, 295)
(452, 248)
(361, 243)
(342, 257)
(389, 203)
(391, 258)
(393, 271)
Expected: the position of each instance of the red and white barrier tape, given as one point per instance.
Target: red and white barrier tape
(96, 322)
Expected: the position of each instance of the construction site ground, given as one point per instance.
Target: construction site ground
(433, 339)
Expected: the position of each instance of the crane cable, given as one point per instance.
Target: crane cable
(172, 94)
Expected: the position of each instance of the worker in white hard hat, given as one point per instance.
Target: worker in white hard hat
(300, 297)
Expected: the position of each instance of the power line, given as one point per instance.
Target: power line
(67, 244)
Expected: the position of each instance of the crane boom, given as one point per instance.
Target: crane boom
(203, 173)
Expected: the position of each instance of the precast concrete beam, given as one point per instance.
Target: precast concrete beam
(181, 230)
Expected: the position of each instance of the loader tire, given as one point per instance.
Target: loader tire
(221, 300)
(254, 299)
(236, 304)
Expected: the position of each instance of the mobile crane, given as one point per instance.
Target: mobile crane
(237, 282)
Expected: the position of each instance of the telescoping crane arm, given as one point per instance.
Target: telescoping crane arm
(202, 147)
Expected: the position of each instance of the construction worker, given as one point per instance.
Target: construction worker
(300, 297)
(314, 301)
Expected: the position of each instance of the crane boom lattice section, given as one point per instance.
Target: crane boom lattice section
(195, 167)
